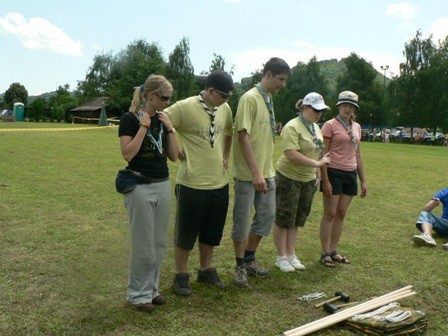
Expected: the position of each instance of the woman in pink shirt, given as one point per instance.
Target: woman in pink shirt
(339, 179)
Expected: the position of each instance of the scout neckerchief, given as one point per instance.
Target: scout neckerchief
(212, 117)
(155, 143)
(349, 129)
(317, 142)
(270, 106)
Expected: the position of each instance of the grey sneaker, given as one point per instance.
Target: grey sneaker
(424, 240)
(211, 277)
(180, 284)
(240, 276)
(253, 268)
(445, 246)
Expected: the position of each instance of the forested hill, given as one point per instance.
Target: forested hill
(332, 69)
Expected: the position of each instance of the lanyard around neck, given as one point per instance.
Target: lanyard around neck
(157, 143)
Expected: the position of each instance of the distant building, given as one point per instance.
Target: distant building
(89, 112)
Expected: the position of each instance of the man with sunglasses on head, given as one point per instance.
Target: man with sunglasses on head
(204, 125)
(253, 170)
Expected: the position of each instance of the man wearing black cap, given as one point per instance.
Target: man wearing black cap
(253, 170)
(204, 125)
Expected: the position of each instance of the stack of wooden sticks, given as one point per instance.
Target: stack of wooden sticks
(350, 312)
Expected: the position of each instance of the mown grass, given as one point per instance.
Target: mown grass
(64, 246)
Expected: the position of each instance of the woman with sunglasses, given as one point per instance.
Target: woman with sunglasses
(339, 181)
(147, 139)
(297, 177)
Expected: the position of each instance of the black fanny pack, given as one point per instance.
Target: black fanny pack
(127, 180)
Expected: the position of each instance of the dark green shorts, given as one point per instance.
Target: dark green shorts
(293, 201)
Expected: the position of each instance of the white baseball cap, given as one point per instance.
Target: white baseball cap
(315, 100)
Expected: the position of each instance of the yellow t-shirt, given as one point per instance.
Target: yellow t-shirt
(202, 168)
(295, 136)
(253, 116)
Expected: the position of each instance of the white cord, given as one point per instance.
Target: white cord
(380, 310)
(394, 317)
(310, 297)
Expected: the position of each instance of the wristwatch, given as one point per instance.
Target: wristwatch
(173, 130)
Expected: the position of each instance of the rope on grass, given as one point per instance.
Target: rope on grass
(379, 311)
(394, 317)
(310, 297)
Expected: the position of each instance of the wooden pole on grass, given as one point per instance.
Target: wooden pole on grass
(350, 312)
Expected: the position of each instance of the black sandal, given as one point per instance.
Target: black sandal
(343, 260)
(326, 260)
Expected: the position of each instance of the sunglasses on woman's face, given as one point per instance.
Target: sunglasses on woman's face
(163, 98)
(317, 111)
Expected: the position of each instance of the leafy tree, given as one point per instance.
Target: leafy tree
(37, 109)
(116, 76)
(360, 78)
(16, 93)
(98, 77)
(62, 102)
(180, 71)
(419, 94)
(219, 63)
(304, 78)
(131, 68)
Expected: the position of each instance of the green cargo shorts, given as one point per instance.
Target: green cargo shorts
(293, 201)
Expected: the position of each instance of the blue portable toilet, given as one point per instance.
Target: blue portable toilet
(19, 111)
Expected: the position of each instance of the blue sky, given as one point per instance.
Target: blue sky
(46, 43)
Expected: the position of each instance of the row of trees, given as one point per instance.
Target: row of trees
(116, 76)
(55, 107)
(418, 96)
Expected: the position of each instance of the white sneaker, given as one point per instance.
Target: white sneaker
(445, 246)
(284, 265)
(424, 240)
(294, 262)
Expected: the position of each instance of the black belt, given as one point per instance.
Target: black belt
(149, 180)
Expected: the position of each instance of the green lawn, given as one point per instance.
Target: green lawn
(64, 246)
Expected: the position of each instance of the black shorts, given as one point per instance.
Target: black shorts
(200, 213)
(343, 181)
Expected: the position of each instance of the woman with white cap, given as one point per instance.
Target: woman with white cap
(339, 180)
(297, 177)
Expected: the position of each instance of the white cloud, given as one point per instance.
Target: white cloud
(38, 33)
(438, 29)
(402, 10)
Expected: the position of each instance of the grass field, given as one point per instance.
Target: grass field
(65, 242)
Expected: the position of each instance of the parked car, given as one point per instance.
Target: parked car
(395, 133)
(437, 137)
